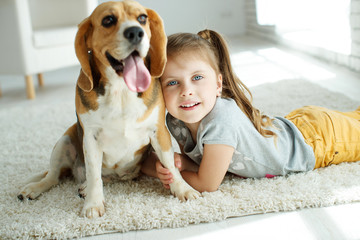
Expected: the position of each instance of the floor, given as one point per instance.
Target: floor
(255, 62)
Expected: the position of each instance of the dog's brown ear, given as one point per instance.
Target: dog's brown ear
(158, 42)
(81, 49)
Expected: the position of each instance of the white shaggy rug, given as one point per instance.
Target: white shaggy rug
(28, 135)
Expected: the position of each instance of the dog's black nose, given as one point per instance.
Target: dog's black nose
(134, 34)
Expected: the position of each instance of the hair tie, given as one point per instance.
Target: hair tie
(205, 34)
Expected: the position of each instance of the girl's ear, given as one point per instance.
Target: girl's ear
(219, 85)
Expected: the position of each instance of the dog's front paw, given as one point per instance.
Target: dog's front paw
(93, 209)
(190, 194)
(183, 191)
(30, 191)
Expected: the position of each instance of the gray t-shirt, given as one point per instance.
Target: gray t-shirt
(254, 155)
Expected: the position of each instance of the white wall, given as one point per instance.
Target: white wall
(224, 16)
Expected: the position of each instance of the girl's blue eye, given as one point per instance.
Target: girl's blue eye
(172, 83)
(197, 77)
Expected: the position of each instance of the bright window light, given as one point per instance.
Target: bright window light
(320, 23)
(275, 65)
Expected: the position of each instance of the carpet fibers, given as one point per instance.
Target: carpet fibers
(29, 134)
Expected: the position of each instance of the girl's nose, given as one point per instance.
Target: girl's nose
(186, 91)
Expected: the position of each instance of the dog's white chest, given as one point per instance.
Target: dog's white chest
(115, 128)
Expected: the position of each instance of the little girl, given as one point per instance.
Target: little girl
(219, 130)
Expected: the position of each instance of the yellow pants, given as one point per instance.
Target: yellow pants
(334, 135)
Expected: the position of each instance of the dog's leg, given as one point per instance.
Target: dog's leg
(81, 190)
(94, 201)
(62, 158)
(162, 146)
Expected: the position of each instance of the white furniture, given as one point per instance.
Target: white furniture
(38, 36)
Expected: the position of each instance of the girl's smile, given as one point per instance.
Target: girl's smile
(189, 106)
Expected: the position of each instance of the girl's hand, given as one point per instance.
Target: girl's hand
(164, 174)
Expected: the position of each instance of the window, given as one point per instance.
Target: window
(319, 23)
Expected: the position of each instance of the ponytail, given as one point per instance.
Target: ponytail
(233, 87)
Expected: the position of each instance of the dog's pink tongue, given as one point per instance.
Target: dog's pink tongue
(136, 75)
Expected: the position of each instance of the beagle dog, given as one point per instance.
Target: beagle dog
(120, 109)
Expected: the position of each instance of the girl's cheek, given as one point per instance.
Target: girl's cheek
(168, 100)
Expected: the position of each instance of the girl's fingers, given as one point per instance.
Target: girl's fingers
(177, 160)
(164, 175)
(166, 181)
(161, 169)
(178, 163)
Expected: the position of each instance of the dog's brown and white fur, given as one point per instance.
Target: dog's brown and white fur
(116, 127)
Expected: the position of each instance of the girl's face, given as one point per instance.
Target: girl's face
(190, 87)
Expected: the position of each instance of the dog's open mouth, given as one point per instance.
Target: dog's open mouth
(117, 65)
(133, 69)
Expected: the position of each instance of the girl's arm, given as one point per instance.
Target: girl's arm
(148, 166)
(153, 168)
(214, 165)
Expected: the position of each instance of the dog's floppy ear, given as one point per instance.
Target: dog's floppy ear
(81, 49)
(158, 42)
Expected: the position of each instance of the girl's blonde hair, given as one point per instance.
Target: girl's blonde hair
(214, 47)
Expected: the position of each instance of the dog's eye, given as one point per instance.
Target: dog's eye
(109, 21)
(142, 19)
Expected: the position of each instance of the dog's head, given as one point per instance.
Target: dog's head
(122, 35)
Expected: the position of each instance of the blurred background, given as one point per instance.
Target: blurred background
(37, 35)
(329, 29)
